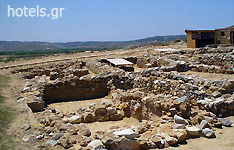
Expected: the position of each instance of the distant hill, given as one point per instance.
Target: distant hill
(17, 45)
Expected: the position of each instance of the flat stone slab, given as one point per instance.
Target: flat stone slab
(128, 133)
(118, 62)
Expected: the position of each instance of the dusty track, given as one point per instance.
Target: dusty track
(23, 114)
(70, 57)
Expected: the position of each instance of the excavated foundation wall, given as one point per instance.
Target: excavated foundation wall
(80, 90)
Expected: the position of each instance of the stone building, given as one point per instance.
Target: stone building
(225, 35)
(201, 38)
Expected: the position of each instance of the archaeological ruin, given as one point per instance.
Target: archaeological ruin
(167, 94)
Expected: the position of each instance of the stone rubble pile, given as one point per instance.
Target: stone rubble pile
(204, 61)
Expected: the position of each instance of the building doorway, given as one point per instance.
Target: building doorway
(232, 37)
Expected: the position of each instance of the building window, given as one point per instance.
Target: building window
(222, 33)
(196, 35)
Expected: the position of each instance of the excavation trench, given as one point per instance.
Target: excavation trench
(79, 91)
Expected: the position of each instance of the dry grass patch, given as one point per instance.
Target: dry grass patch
(6, 116)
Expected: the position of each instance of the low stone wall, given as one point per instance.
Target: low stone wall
(77, 90)
(211, 69)
(219, 60)
(41, 91)
(32, 72)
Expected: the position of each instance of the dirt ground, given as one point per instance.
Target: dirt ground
(23, 113)
(66, 107)
(224, 140)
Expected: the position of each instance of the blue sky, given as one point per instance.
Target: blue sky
(105, 20)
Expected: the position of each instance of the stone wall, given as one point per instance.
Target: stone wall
(77, 90)
(226, 38)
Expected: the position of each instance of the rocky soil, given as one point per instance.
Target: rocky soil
(168, 100)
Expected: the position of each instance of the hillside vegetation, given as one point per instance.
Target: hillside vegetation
(29, 46)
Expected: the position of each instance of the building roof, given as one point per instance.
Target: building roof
(118, 62)
(206, 30)
(231, 27)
